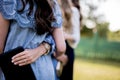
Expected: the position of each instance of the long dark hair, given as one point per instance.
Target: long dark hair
(43, 14)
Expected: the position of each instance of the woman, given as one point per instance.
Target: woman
(71, 28)
(30, 23)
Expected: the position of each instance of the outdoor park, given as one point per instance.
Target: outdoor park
(100, 64)
(98, 53)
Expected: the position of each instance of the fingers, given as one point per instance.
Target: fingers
(63, 58)
(21, 62)
(21, 59)
(18, 57)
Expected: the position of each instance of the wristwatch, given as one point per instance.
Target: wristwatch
(47, 47)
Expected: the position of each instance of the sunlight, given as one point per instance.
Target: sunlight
(112, 13)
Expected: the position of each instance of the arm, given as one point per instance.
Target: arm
(58, 32)
(4, 26)
(58, 35)
(29, 56)
(59, 41)
(60, 45)
(74, 38)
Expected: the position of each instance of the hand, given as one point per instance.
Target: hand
(28, 56)
(63, 58)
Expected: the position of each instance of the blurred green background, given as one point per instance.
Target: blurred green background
(97, 59)
(98, 53)
(97, 48)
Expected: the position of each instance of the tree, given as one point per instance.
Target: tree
(91, 18)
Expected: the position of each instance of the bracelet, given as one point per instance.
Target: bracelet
(47, 47)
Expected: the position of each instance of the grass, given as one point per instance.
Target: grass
(97, 59)
(96, 70)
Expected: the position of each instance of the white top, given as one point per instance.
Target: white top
(75, 27)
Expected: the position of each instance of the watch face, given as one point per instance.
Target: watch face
(47, 47)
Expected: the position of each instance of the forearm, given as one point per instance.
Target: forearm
(59, 41)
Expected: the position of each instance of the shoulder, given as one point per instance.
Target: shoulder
(9, 10)
(57, 14)
(9, 7)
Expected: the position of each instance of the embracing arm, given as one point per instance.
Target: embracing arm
(4, 26)
(60, 46)
(59, 41)
(29, 56)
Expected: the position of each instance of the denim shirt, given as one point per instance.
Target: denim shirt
(22, 33)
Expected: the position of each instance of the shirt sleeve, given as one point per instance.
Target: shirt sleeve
(49, 39)
(57, 14)
(9, 10)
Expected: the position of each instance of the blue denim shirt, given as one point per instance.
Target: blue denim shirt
(22, 33)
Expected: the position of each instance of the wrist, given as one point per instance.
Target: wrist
(40, 50)
(46, 47)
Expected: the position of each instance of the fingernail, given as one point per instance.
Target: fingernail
(15, 63)
(12, 57)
